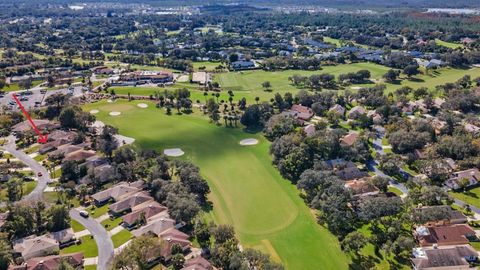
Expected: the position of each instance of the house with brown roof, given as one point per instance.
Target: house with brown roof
(449, 258)
(126, 204)
(173, 237)
(155, 226)
(338, 109)
(309, 130)
(472, 129)
(64, 237)
(356, 112)
(36, 246)
(117, 192)
(457, 234)
(349, 139)
(345, 170)
(79, 155)
(361, 188)
(143, 211)
(50, 262)
(40, 123)
(457, 179)
(197, 263)
(302, 112)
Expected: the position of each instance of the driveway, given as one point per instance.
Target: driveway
(37, 193)
(103, 240)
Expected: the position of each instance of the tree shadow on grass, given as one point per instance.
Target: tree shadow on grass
(254, 130)
(363, 262)
(418, 80)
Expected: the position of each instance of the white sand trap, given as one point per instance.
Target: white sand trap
(142, 105)
(115, 113)
(110, 101)
(123, 140)
(94, 111)
(356, 87)
(173, 152)
(249, 141)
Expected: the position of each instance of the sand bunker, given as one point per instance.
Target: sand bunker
(249, 141)
(142, 105)
(356, 87)
(115, 113)
(173, 152)
(110, 101)
(94, 111)
(123, 140)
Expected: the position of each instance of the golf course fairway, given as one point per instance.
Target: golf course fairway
(247, 191)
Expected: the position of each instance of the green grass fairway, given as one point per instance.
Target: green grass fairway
(471, 196)
(209, 66)
(247, 191)
(450, 45)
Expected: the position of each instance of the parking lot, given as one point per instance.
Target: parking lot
(34, 97)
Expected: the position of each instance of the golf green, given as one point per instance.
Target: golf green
(247, 191)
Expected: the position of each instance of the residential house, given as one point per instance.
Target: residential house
(472, 129)
(173, 237)
(338, 109)
(117, 192)
(349, 139)
(356, 112)
(79, 155)
(36, 246)
(361, 188)
(144, 76)
(197, 263)
(456, 234)
(64, 237)
(302, 112)
(40, 123)
(200, 77)
(451, 163)
(465, 178)
(155, 226)
(345, 170)
(144, 211)
(450, 258)
(440, 215)
(309, 130)
(126, 204)
(50, 262)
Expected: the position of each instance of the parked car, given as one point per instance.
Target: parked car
(39, 174)
(43, 91)
(84, 214)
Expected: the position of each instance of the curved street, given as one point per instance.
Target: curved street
(103, 240)
(42, 181)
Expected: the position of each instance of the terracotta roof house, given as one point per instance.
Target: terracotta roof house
(338, 109)
(451, 258)
(472, 129)
(128, 203)
(309, 130)
(36, 246)
(155, 227)
(50, 262)
(302, 112)
(456, 234)
(197, 263)
(3, 218)
(361, 188)
(451, 163)
(148, 210)
(116, 192)
(173, 237)
(440, 215)
(79, 155)
(40, 123)
(356, 111)
(64, 150)
(455, 181)
(349, 139)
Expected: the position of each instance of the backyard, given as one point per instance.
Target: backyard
(471, 196)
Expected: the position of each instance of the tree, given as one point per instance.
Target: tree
(106, 141)
(25, 84)
(223, 233)
(138, 253)
(14, 190)
(177, 261)
(58, 218)
(266, 85)
(354, 242)
(201, 230)
(279, 125)
(5, 254)
(391, 75)
(411, 70)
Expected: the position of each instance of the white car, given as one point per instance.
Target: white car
(84, 214)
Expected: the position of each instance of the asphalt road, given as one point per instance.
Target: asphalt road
(104, 242)
(42, 181)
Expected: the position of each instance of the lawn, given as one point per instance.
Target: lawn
(89, 267)
(16, 86)
(450, 45)
(247, 191)
(471, 196)
(97, 212)
(395, 190)
(209, 66)
(121, 238)
(111, 223)
(77, 227)
(88, 247)
(27, 187)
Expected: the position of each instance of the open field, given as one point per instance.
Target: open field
(471, 196)
(209, 66)
(247, 191)
(16, 86)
